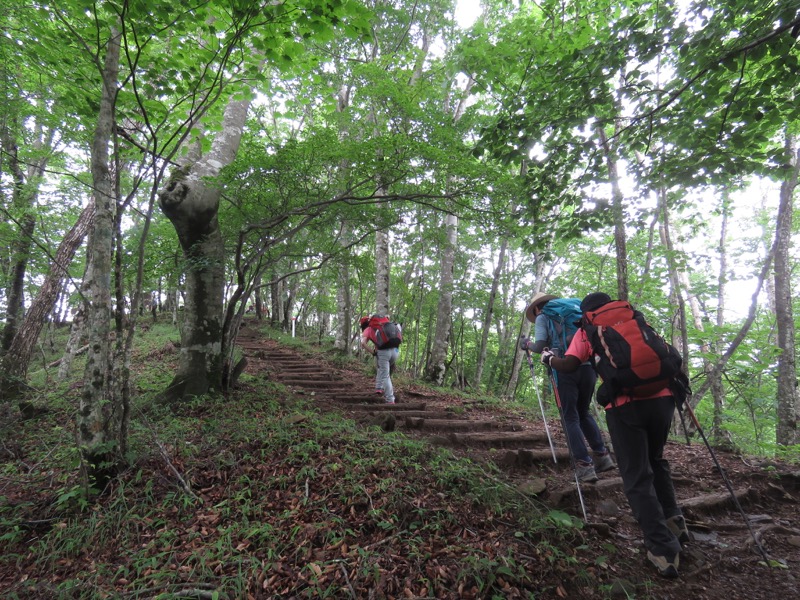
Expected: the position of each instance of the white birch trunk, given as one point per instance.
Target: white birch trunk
(788, 401)
(382, 272)
(99, 417)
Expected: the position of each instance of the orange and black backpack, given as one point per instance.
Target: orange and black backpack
(387, 333)
(629, 356)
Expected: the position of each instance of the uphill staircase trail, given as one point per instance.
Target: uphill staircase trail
(724, 549)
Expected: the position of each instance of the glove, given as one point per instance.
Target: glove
(525, 343)
(547, 356)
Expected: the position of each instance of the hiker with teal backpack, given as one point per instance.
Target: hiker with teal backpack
(639, 370)
(555, 322)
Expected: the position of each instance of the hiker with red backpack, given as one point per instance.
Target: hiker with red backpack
(385, 337)
(555, 322)
(637, 368)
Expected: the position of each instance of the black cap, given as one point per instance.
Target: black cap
(594, 301)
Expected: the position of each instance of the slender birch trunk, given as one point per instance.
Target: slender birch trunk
(489, 313)
(98, 416)
(437, 361)
(788, 400)
(618, 212)
(16, 361)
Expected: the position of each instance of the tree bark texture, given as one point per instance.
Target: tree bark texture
(618, 211)
(489, 312)
(191, 202)
(382, 272)
(786, 432)
(437, 361)
(717, 387)
(25, 190)
(17, 360)
(98, 416)
(344, 302)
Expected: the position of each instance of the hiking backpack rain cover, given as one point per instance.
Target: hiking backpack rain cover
(387, 333)
(630, 357)
(563, 320)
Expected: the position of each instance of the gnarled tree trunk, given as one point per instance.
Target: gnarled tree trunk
(191, 202)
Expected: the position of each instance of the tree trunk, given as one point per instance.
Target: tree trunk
(618, 211)
(437, 361)
(16, 361)
(276, 300)
(98, 416)
(257, 300)
(382, 272)
(344, 301)
(25, 191)
(487, 317)
(191, 203)
(717, 387)
(786, 432)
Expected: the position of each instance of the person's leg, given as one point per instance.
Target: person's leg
(568, 394)
(629, 435)
(379, 377)
(384, 379)
(660, 422)
(586, 384)
(393, 361)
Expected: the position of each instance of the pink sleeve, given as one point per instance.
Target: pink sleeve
(580, 347)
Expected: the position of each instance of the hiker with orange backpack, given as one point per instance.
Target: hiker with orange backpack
(637, 368)
(385, 337)
(555, 322)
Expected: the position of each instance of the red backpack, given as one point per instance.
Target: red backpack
(630, 357)
(387, 333)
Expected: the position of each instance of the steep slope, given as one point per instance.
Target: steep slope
(724, 559)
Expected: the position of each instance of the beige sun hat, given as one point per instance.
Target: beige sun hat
(538, 299)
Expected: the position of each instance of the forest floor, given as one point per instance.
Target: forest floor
(417, 556)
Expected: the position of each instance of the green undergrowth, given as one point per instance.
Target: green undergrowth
(260, 494)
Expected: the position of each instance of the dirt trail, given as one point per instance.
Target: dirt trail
(721, 562)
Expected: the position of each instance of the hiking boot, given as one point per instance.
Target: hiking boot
(666, 567)
(585, 472)
(603, 462)
(379, 392)
(677, 525)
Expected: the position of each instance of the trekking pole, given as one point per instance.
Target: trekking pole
(541, 406)
(603, 432)
(725, 479)
(685, 429)
(566, 435)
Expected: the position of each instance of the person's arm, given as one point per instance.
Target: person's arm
(579, 351)
(568, 364)
(540, 334)
(365, 341)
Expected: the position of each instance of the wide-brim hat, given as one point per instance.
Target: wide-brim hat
(539, 299)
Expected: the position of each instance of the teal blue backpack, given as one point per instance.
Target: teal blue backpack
(563, 320)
